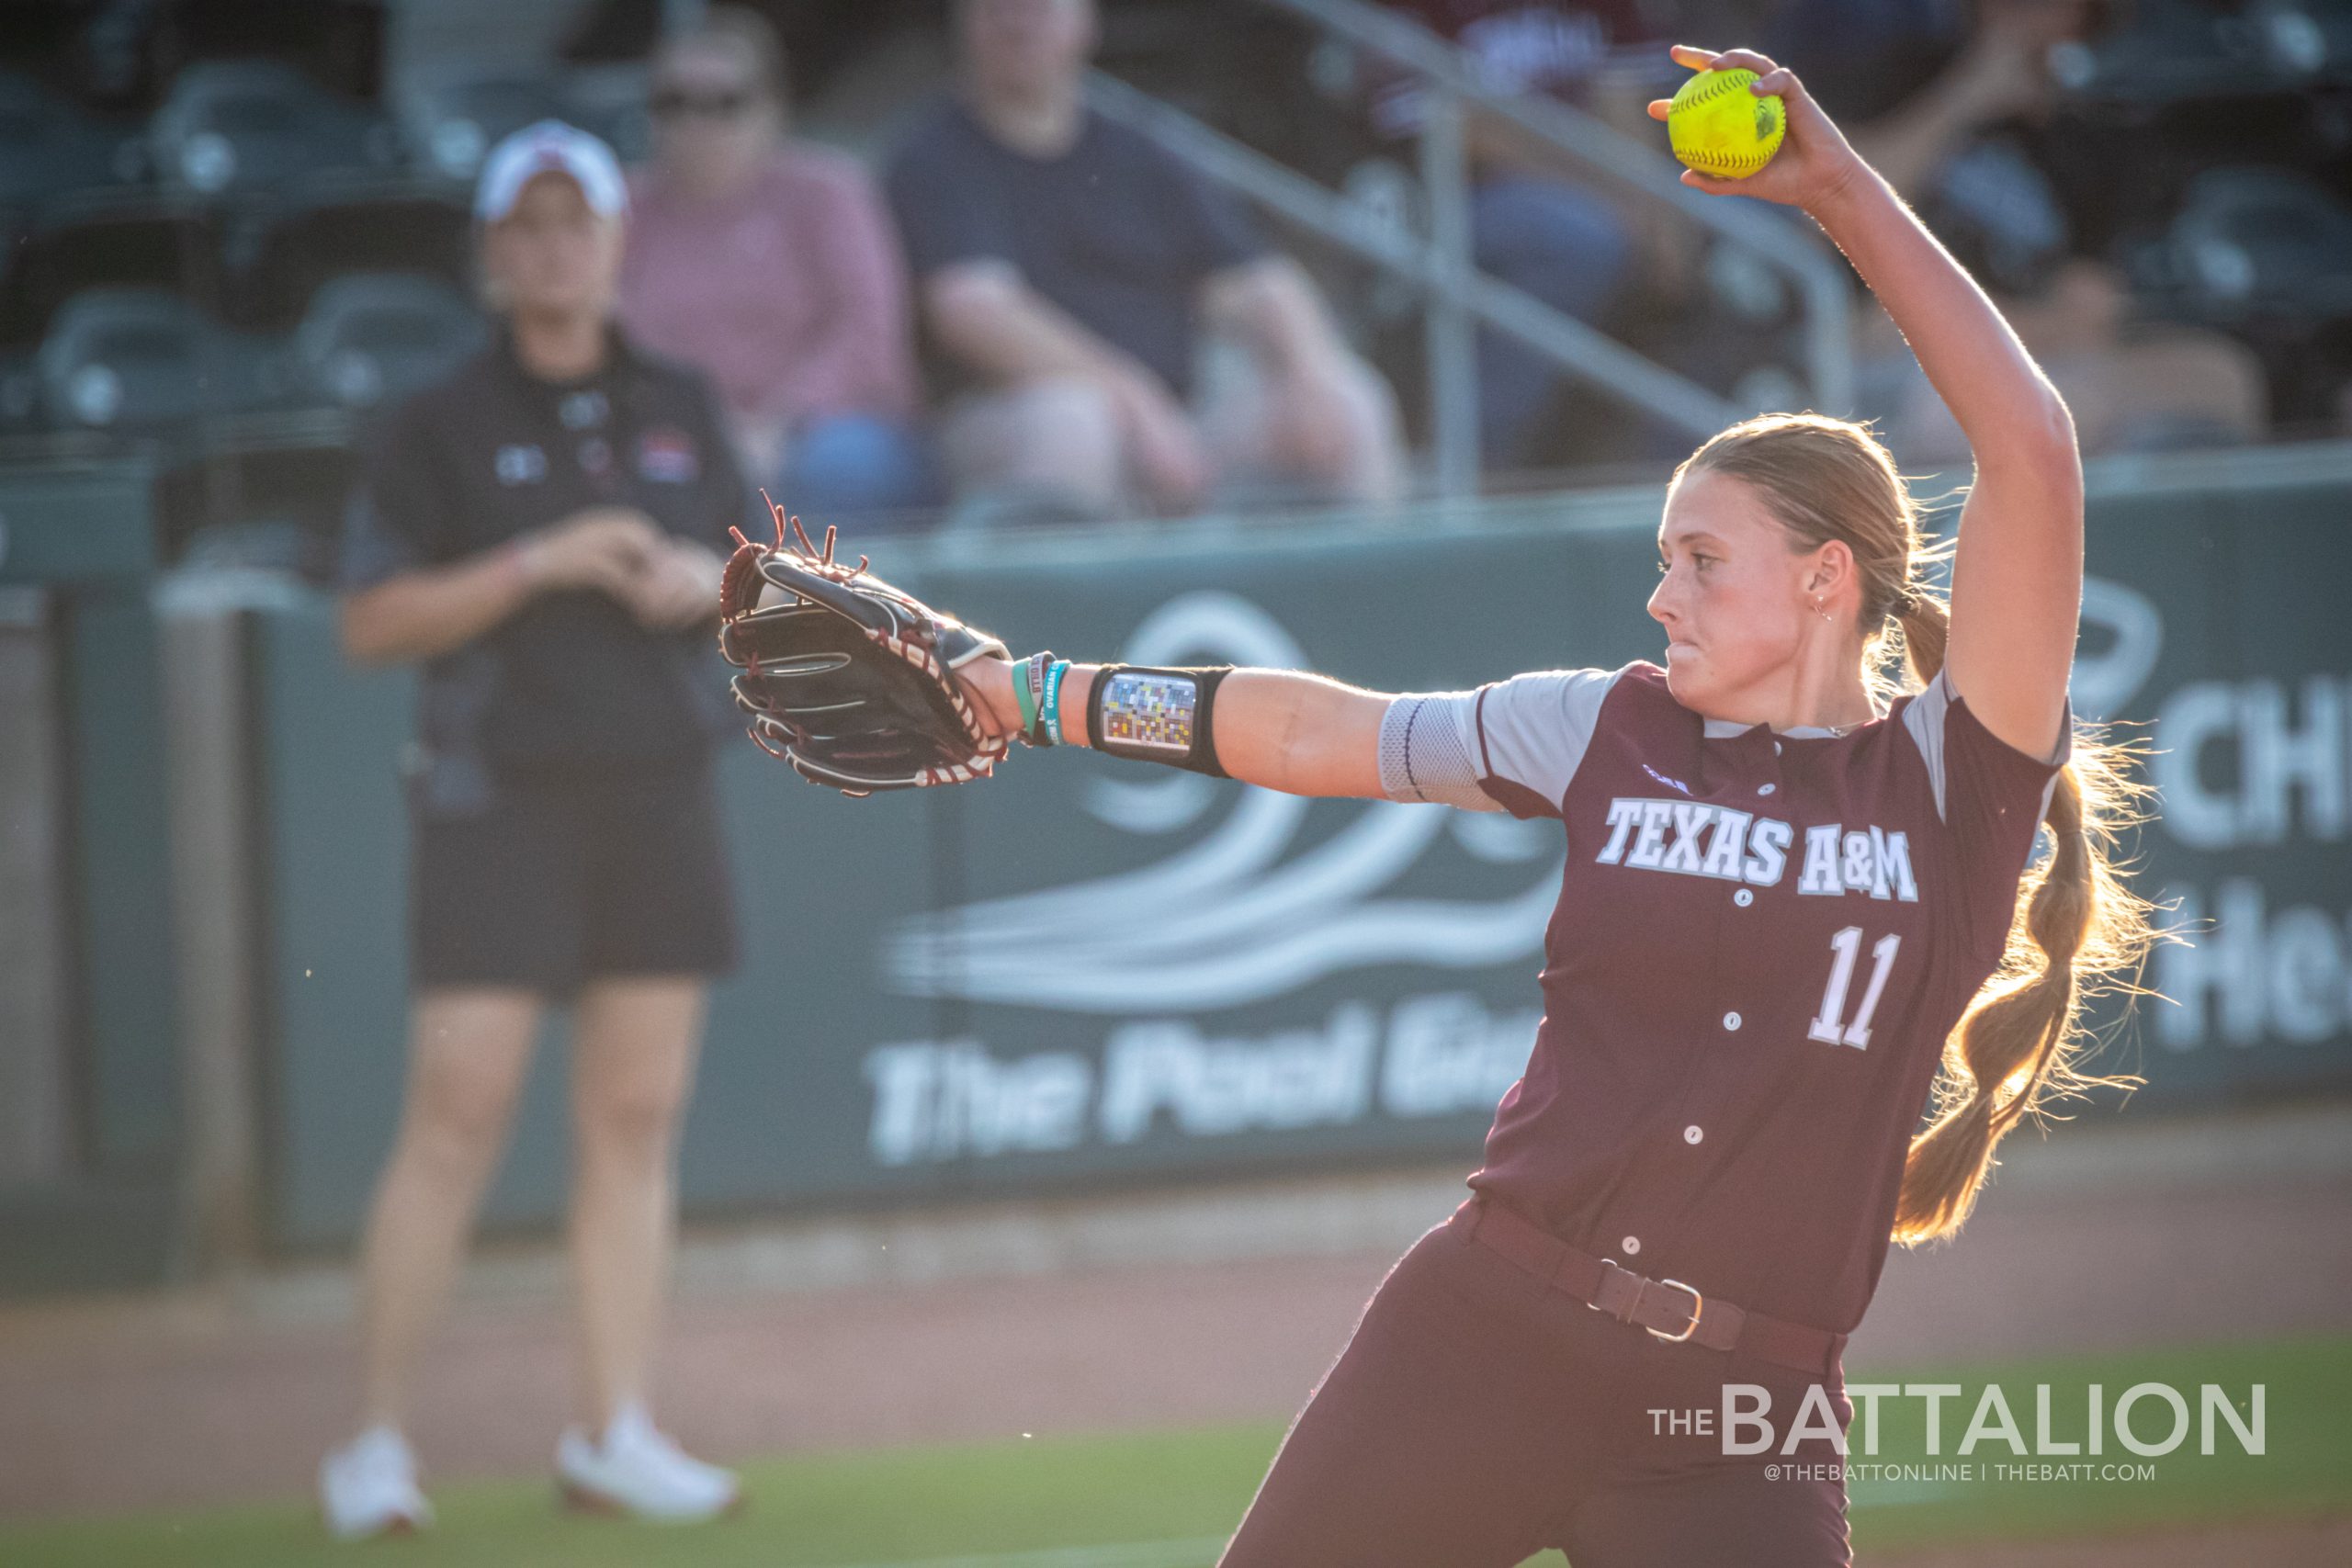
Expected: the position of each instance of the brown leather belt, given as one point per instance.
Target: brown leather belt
(1668, 1309)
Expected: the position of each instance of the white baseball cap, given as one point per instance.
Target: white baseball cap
(550, 147)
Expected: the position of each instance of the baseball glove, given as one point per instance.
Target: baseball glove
(846, 678)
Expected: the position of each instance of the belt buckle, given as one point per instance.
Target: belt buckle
(1698, 1306)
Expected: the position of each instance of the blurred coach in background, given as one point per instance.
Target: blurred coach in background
(542, 532)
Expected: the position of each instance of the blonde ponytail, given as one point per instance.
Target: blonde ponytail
(2078, 931)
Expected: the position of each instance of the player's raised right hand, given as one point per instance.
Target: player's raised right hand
(1815, 165)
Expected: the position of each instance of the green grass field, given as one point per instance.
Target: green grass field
(1165, 1500)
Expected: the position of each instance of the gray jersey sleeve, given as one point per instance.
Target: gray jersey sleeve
(1924, 719)
(1512, 746)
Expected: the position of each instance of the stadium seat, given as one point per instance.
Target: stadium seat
(450, 125)
(321, 228)
(2176, 49)
(47, 146)
(19, 393)
(236, 125)
(140, 360)
(120, 237)
(2253, 242)
(369, 340)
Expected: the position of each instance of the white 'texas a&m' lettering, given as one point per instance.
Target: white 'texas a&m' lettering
(1767, 852)
(1649, 838)
(1692, 839)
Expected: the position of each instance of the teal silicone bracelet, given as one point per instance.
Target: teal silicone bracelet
(1021, 698)
(1054, 700)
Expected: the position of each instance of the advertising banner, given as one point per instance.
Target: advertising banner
(1085, 970)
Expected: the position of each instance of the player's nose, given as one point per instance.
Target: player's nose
(1660, 608)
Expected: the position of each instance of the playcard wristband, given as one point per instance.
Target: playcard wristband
(1156, 716)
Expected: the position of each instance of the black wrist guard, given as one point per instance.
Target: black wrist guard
(1156, 716)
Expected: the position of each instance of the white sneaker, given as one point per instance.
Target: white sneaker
(637, 1470)
(368, 1487)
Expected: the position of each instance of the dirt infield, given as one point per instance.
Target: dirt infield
(1125, 1315)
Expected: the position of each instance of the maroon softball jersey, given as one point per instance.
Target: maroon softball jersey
(1763, 939)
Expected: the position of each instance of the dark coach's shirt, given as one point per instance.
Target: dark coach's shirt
(1761, 943)
(571, 684)
(1115, 231)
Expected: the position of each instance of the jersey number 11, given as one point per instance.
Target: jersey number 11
(1848, 945)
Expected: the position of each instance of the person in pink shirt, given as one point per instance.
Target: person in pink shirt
(773, 268)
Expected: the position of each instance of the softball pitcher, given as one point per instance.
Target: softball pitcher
(1792, 898)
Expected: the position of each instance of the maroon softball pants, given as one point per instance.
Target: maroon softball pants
(1478, 1416)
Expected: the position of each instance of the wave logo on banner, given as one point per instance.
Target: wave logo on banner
(2103, 684)
(1233, 917)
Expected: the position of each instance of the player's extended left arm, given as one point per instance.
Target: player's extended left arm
(1283, 729)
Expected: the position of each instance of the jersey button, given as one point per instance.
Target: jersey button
(1692, 1133)
(1766, 789)
(1632, 1245)
(1744, 898)
(1730, 1021)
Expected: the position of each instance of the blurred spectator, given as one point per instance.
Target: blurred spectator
(1952, 150)
(771, 265)
(1532, 224)
(1061, 259)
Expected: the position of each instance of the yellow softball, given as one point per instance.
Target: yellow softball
(1718, 127)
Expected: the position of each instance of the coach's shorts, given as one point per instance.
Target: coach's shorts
(556, 883)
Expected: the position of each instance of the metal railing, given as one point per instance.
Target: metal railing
(1460, 296)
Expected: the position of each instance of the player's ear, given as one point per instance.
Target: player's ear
(1828, 568)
